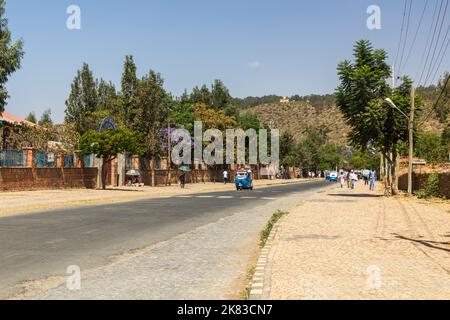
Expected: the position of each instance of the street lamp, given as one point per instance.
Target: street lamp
(411, 136)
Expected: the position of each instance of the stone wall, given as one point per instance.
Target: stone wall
(20, 179)
(420, 182)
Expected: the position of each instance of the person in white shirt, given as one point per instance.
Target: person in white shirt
(225, 177)
(353, 179)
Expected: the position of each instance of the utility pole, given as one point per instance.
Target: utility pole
(410, 133)
(411, 141)
(393, 76)
(169, 144)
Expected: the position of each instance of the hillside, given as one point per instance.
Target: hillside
(298, 118)
(318, 112)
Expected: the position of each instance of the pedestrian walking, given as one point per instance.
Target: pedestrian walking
(342, 180)
(347, 178)
(225, 177)
(353, 179)
(373, 179)
(182, 180)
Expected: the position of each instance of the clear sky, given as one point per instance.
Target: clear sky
(256, 47)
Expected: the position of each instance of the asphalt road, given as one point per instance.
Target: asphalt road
(40, 245)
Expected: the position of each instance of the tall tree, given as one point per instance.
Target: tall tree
(151, 113)
(129, 84)
(443, 104)
(82, 101)
(361, 95)
(202, 95)
(221, 98)
(106, 96)
(46, 119)
(10, 56)
(31, 117)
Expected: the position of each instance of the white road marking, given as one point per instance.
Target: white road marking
(225, 197)
(264, 198)
(55, 241)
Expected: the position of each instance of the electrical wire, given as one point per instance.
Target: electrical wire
(432, 42)
(406, 35)
(422, 59)
(416, 34)
(432, 61)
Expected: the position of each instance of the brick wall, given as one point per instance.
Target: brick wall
(195, 176)
(19, 179)
(420, 182)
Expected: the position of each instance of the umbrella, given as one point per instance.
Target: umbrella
(185, 168)
(133, 173)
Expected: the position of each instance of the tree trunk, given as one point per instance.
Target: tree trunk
(394, 172)
(104, 162)
(152, 171)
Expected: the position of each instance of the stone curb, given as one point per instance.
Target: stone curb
(260, 284)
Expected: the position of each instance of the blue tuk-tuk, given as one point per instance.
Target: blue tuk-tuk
(244, 180)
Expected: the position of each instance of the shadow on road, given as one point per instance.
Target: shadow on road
(356, 195)
(429, 244)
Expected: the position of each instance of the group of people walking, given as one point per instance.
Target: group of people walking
(350, 178)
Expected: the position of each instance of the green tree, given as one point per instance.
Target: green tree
(106, 96)
(330, 158)
(182, 114)
(129, 82)
(287, 150)
(10, 56)
(249, 120)
(108, 144)
(443, 105)
(445, 139)
(360, 97)
(46, 119)
(152, 110)
(202, 95)
(429, 147)
(31, 117)
(82, 101)
(222, 100)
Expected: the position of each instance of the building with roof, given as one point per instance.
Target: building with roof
(8, 122)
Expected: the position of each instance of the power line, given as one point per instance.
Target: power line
(401, 33)
(446, 82)
(432, 42)
(422, 59)
(416, 34)
(406, 34)
(432, 62)
(442, 58)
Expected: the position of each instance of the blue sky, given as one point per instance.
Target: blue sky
(256, 47)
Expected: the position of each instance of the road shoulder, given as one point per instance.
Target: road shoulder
(353, 244)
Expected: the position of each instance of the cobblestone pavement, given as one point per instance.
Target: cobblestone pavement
(346, 244)
(209, 262)
(33, 201)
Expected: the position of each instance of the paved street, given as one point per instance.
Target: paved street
(190, 246)
(355, 244)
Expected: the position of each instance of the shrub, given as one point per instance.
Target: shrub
(266, 232)
(432, 188)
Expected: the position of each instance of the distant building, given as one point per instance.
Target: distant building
(284, 101)
(7, 121)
